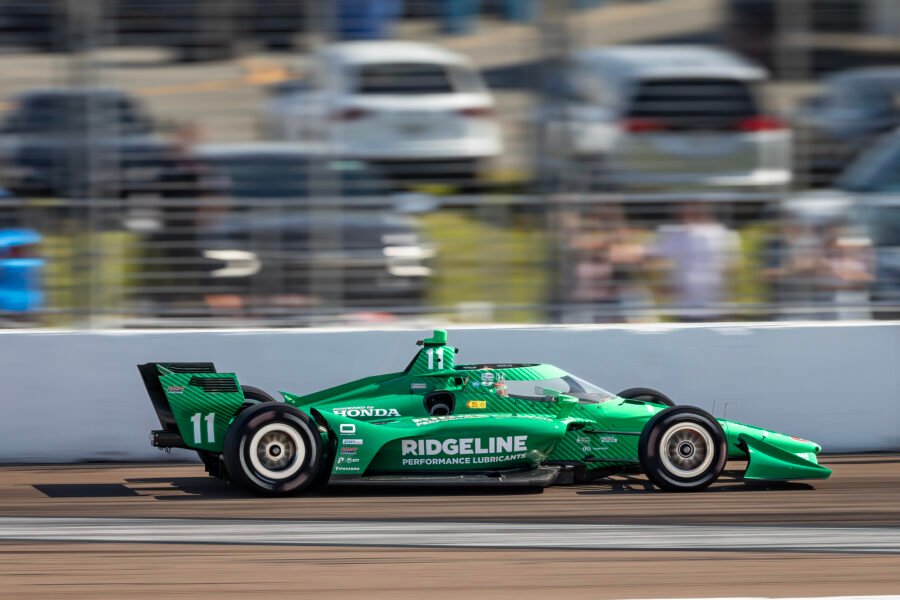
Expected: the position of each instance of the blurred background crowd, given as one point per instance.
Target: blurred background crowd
(297, 162)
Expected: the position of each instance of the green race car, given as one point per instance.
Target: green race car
(439, 423)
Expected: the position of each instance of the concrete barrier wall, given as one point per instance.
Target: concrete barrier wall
(77, 396)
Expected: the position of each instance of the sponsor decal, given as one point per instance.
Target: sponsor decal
(366, 411)
(418, 386)
(487, 378)
(609, 439)
(175, 389)
(353, 442)
(452, 446)
(348, 428)
(464, 451)
(477, 404)
(431, 420)
(422, 421)
(348, 450)
(583, 440)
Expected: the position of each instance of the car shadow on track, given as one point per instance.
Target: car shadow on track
(729, 482)
(207, 488)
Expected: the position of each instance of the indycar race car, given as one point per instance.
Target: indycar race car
(439, 423)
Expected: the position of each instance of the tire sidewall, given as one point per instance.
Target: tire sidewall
(237, 449)
(649, 451)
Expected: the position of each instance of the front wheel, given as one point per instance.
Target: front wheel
(273, 450)
(683, 449)
(647, 395)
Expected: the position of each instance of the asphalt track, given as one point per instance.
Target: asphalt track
(146, 531)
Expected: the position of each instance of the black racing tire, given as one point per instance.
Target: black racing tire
(212, 461)
(254, 394)
(273, 449)
(683, 449)
(646, 394)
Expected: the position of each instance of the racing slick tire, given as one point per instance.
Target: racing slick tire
(212, 462)
(648, 394)
(683, 449)
(255, 395)
(273, 449)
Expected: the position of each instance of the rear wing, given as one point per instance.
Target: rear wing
(185, 392)
(150, 373)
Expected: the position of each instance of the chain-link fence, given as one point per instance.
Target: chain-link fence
(292, 162)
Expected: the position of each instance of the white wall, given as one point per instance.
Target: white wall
(75, 396)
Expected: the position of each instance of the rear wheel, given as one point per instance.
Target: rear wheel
(255, 395)
(212, 461)
(273, 450)
(647, 395)
(683, 449)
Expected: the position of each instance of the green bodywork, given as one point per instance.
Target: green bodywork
(381, 425)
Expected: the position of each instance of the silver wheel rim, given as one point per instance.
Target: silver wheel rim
(277, 451)
(686, 450)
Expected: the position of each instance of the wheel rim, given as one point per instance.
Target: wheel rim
(686, 450)
(277, 451)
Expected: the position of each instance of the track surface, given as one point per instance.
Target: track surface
(863, 493)
(864, 490)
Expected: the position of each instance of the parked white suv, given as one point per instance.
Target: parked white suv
(668, 116)
(412, 107)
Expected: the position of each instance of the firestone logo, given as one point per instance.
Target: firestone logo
(464, 446)
(366, 411)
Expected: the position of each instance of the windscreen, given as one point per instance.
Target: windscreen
(55, 113)
(881, 223)
(876, 170)
(278, 177)
(404, 78)
(531, 389)
(694, 103)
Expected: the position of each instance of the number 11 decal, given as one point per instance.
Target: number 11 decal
(210, 427)
(440, 358)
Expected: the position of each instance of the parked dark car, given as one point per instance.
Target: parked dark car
(273, 171)
(291, 231)
(81, 143)
(363, 261)
(867, 197)
(832, 128)
(289, 265)
(194, 29)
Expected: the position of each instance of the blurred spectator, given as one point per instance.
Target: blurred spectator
(793, 266)
(592, 292)
(607, 256)
(849, 267)
(701, 253)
